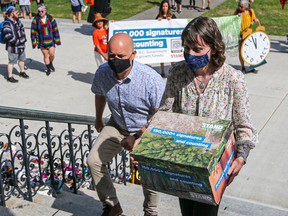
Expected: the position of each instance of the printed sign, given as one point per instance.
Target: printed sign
(160, 41)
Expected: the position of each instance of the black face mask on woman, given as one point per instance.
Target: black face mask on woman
(119, 65)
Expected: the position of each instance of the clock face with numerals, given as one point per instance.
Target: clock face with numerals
(255, 48)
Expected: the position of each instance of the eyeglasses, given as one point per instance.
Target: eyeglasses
(41, 11)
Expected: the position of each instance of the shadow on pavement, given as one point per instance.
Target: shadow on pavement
(29, 64)
(85, 29)
(80, 204)
(80, 76)
(3, 70)
(279, 46)
(35, 65)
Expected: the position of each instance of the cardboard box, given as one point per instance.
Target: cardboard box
(186, 156)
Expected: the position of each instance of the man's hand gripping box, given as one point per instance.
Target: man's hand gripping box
(186, 156)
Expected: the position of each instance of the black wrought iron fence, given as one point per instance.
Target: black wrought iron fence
(46, 150)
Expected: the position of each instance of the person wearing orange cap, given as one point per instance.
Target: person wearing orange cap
(100, 38)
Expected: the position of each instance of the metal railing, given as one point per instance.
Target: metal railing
(47, 150)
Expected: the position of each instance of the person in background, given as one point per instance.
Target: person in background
(190, 7)
(203, 85)
(25, 7)
(248, 17)
(173, 5)
(15, 38)
(204, 7)
(91, 14)
(45, 36)
(103, 7)
(39, 2)
(100, 39)
(140, 88)
(76, 6)
(165, 12)
(5, 4)
(251, 2)
(179, 6)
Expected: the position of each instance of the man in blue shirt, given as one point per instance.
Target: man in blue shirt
(133, 92)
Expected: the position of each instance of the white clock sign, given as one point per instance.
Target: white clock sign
(255, 48)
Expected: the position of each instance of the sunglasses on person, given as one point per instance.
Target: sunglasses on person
(41, 11)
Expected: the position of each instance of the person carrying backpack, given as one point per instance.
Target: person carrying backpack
(15, 39)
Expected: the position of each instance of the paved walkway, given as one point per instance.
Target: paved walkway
(261, 185)
(186, 13)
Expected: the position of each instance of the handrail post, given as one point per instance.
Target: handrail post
(90, 137)
(124, 166)
(51, 162)
(92, 187)
(2, 196)
(25, 159)
(72, 157)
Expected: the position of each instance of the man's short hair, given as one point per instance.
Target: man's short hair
(10, 10)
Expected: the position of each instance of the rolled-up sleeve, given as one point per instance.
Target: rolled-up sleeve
(246, 134)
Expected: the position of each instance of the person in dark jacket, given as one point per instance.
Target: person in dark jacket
(15, 39)
(103, 7)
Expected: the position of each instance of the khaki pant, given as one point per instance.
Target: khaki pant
(105, 148)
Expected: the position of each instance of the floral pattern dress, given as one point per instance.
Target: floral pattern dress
(225, 97)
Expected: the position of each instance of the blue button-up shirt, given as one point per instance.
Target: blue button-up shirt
(132, 100)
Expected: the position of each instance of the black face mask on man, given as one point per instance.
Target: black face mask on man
(119, 65)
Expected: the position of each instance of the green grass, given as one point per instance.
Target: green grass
(121, 9)
(269, 12)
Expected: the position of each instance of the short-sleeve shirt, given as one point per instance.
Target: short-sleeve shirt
(133, 100)
(100, 38)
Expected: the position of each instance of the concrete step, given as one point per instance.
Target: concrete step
(86, 203)
(20, 207)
